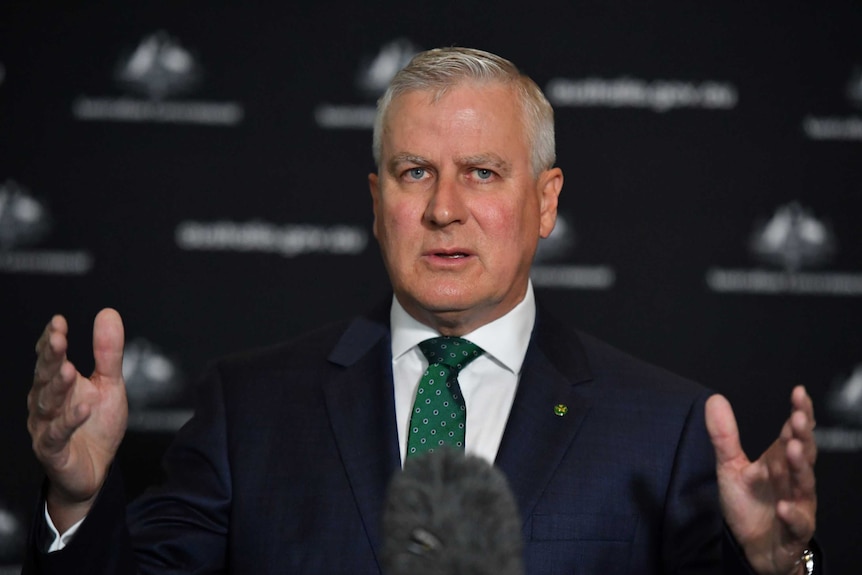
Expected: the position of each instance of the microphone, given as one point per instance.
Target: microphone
(448, 513)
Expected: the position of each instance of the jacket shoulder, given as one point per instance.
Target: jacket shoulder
(609, 369)
(308, 348)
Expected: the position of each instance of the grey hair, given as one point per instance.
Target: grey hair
(441, 69)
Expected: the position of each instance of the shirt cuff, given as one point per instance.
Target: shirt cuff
(58, 541)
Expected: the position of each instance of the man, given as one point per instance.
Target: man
(284, 467)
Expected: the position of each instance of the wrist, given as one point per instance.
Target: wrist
(66, 511)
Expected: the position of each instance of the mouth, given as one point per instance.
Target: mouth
(453, 255)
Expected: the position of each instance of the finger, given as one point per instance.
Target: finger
(48, 398)
(801, 419)
(51, 350)
(798, 520)
(108, 337)
(801, 401)
(56, 435)
(801, 472)
(56, 324)
(802, 430)
(723, 431)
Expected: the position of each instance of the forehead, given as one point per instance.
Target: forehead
(466, 115)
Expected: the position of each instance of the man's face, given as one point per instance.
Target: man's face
(457, 209)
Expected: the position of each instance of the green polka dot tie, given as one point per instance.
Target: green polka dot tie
(439, 415)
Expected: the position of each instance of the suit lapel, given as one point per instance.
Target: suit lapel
(361, 406)
(537, 436)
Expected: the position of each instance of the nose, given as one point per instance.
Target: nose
(446, 205)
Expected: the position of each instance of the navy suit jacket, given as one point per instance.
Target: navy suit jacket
(285, 465)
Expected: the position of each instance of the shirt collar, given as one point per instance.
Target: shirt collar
(505, 339)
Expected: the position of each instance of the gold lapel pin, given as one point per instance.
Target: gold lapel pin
(561, 409)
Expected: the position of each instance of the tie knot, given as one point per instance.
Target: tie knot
(453, 352)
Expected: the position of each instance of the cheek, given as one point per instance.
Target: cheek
(512, 232)
(506, 223)
(398, 224)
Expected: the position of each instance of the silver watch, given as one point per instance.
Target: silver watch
(807, 559)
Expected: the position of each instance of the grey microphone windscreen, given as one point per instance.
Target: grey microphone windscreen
(451, 514)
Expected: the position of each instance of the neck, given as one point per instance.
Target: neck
(457, 322)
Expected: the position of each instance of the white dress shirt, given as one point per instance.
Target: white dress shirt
(488, 383)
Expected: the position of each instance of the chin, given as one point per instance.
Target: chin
(438, 299)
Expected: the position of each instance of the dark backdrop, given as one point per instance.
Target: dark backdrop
(201, 166)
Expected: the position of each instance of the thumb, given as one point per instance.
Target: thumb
(108, 337)
(722, 429)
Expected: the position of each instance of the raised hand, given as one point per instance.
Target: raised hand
(769, 504)
(77, 423)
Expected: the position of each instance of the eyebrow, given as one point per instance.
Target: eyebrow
(490, 160)
(405, 158)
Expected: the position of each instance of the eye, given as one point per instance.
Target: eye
(416, 173)
(483, 173)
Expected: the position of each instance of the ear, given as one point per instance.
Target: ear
(374, 187)
(549, 185)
